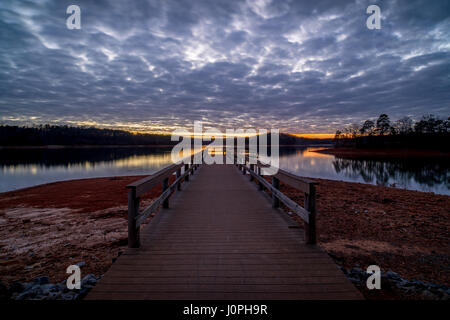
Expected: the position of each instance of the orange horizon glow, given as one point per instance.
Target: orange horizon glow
(314, 135)
(159, 131)
(299, 135)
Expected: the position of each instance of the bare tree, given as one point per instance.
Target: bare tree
(367, 128)
(383, 124)
(353, 130)
(403, 126)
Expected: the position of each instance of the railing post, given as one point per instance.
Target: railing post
(178, 175)
(260, 185)
(165, 186)
(276, 185)
(192, 165)
(186, 168)
(252, 169)
(133, 209)
(310, 205)
(243, 168)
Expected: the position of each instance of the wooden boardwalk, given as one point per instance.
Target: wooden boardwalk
(221, 239)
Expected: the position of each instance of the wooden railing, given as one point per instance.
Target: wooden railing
(138, 188)
(307, 213)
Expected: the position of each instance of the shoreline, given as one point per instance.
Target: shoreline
(45, 228)
(55, 147)
(89, 146)
(69, 180)
(354, 153)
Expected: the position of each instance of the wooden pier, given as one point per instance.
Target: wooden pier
(220, 237)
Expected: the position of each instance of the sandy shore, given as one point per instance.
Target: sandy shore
(44, 229)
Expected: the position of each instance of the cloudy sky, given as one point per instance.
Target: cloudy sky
(300, 66)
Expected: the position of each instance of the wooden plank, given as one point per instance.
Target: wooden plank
(119, 280)
(329, 295)
(229, 288)
(221, 239)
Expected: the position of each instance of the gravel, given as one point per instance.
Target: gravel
(42, 289)
(390, 279)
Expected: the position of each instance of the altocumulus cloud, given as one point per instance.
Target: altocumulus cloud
(301, 66)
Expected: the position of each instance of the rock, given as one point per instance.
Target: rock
(407, 284)
(42, 289)
(42, 280)
(83, 292)
(428, 295)
(69, 296)
(49, 287)
(354, 280)
(27, 286)
(53, 296)
(357, 270)
(432, 286)
(419, 284)
(392, 275)
(31, 293)
(62, 286)
(402, 284)
(90, 280)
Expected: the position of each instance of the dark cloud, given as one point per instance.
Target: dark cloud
(301, 66)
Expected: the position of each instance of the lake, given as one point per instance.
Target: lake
(28, 167)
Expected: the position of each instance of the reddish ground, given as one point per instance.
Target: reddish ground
(44, 229)
(353, 153)
(400, 230)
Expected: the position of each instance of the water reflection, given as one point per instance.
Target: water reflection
(431, 175)
(397, 173)
(27, 167)
(21, 168)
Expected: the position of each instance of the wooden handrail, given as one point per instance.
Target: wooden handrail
(137, 188)
(143, 185)
(307, 213)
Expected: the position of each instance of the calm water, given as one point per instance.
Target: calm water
(24, 168)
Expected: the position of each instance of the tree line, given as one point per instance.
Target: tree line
(65, 135)
(428, 132)
(44, 135)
